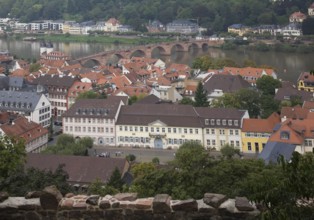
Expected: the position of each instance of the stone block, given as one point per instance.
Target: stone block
(66, 203)
(189, 205)
(3, 196)
(214, 200)
(126, 196)
(204, 208)
(92, 200)
(243, 204)
(161, 203)
(144, 203)
(104, 204)
(50, 198)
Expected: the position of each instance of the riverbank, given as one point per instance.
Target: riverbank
(105, 39)
(274, 46)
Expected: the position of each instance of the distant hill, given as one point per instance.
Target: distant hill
(216, 15)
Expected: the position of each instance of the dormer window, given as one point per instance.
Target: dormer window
(284, 135)
(206, 121)
(224, 122)
(218, 121)
(230, 122)
(236, 123)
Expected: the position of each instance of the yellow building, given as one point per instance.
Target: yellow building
(255, 133)
(239, 29)
(306, 82)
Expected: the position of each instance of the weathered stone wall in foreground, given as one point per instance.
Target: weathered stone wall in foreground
(50, 205)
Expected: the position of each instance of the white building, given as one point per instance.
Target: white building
(34, 106)
(95, 118)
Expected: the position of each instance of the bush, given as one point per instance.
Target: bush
(130, 157)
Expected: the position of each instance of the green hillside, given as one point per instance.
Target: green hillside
(213, 14)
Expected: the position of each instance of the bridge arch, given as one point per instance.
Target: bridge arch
(193, 48)
(178, 47)
(204, 46)
(138, 53)
(90, 63)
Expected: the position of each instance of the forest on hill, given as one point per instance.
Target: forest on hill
(216, 15)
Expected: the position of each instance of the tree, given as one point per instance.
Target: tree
(267, 85)
(156, 160)
(99, 188)
(228, 151)
(68, 145)
(22, 181)
(115, 180)
(285, 192)
(12, 154)
(87, 95)
(201, 96)
(130, 157)
(308, 26)
(186, 101)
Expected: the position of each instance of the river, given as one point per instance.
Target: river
(287, 65)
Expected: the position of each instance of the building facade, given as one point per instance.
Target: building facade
(306, 82)
(95, 118)
(34, 106)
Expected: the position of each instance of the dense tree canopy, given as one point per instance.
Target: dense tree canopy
(213, 14)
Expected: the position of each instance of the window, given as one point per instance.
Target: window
(222, 143)
(249, 146)
(212, 122)
(213, 131)
(214, 142)
(221, 131)
(196, 131)
(236, 123)
(191, 131)
(224, 122)
(135, 128)
(206, 121)
(141, 129)
(232, 143)
(208, 142)
(284, 135)
(120, 128)
(207, 131)
(179, 130)
(111, 130)
(157, 130)
(230, 122)
(236, 132)
(125, 128)
(218, 121)
(146, 129)
(152, 129)
(163, 130)
(174, 130)
(169, 130)
(231, 132)
(131, 128)
(238, 143)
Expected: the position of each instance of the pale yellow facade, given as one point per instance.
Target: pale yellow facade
(254, 142)
(156, 135)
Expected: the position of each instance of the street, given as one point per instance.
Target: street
(146, 155)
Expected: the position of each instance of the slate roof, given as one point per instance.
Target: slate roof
(172, 115)
(288, 92)
(95, 108)
(81, 170)
(150, 99)
(273, 150)
(55, 80)
(226, 83)
(18, 101)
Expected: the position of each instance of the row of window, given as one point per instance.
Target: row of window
(89, 129)
(222, 122)
(44, 117)
(308, 143)
(181, 141)
(59, 104)
(90, 120)
(15, 105)
(158, 129)
(134, 139)
(222, 131)
(44, 110)
(254, 134)
(53, 96)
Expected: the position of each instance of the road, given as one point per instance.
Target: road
(146, 155)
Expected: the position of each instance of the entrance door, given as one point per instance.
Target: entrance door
(256, 148)
(158, 143)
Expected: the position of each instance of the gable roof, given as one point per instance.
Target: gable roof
(226, 83)
(82, 170)
(55, 80)
(260, 125)
(273, 150)
(296, 112)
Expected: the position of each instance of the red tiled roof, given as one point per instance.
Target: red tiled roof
(261, 125)
(306, 76)
(298, 14)
(22, 128)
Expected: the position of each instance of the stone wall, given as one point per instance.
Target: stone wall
(49, 204)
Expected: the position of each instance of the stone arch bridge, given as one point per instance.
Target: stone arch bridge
(147, 51)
